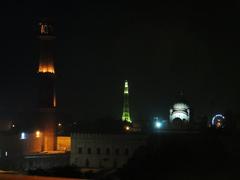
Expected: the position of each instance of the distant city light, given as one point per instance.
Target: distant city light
(6, 153)
(217, 118)
(158, 124)
(218, 124)
(37, 134)
(127, 128)
(23, 135)
(13, 125)
(59, 124)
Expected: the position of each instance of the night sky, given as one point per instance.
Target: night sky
(160, 49)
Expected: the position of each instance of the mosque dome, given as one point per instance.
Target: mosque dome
(180, 110)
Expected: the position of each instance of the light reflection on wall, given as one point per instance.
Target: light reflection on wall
(54, 100)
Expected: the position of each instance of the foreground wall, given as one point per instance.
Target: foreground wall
(45, 161)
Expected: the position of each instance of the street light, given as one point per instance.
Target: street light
(127, 128)
(37, 134)
(158, 124)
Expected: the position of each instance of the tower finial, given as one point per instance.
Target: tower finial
(126, 87)
(45, 27)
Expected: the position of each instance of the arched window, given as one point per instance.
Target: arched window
(117, 151)
(87, 163)
(100, 164)
(126, 152)
(98, 151)
(115, 163)
(107, 151)
(79, 150)
(89, 151)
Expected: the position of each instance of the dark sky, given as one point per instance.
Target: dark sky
(160, 48)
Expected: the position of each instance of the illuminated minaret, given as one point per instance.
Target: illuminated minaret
(46, 70)
(126, 112)
(46, 87)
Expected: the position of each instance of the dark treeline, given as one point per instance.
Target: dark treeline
(182, 156)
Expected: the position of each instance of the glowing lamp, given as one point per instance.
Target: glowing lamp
(158, 124)
(217, 118)
(23, 135)
(37, 134)
(127, 128)
(218, 124)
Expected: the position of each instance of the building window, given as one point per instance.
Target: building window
(117, 151)
(98, 151)
(100, 164)
(23, 135)
(115, 163)
(87, 163)
(126, 151)
(107, 151)
(89, 151)
(79, 150)
(75, 161)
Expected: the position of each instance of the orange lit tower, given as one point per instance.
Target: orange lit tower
(46, 70)
(46, 89)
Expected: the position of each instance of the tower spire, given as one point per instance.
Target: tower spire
(126, 113)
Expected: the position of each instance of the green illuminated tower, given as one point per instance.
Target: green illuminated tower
(126, 112)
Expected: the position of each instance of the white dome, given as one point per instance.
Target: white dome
(180, 106)
(181, 111)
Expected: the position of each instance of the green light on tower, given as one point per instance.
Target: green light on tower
(126, 113)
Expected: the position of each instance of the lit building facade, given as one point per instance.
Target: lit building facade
(126, 111)
(104, 150)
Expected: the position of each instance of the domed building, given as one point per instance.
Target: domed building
(180, 113)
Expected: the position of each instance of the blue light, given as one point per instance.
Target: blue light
(158, 124)
(23, 135)
(215, 118)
